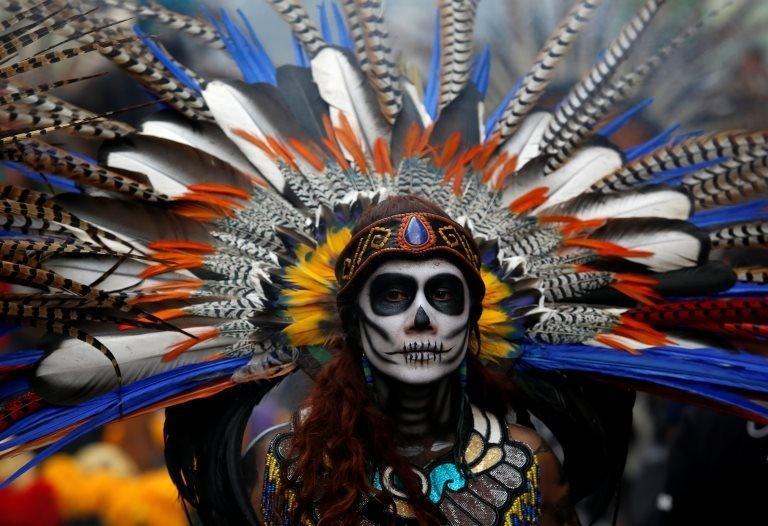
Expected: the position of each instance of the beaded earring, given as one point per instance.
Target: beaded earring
(367, 374)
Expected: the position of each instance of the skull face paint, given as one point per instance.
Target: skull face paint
(414, 319)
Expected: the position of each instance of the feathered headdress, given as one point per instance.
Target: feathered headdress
(199, 249)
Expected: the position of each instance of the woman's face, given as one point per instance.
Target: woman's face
(414, 319)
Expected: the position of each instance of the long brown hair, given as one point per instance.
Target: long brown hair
(345, 435)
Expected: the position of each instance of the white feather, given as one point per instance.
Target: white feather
(481, 120)
(345, 88)
(587, 166)
(623, 340)
(526, 140)
(409, 89)
(672, 249)
(77, 371)
(231, 112)
(665, 203)
(89, 270)
(162, 180)
(209, 139)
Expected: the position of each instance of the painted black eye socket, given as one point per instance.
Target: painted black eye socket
(443, 295)
(395, 295)
(392, 293)
(445, 292)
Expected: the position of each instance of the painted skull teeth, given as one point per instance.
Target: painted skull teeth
(423, 357)
(432, 347)
(423, 352)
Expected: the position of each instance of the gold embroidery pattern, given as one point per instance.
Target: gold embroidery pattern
(376, 238)
(454, 239)
(379, 237)
(388, 235)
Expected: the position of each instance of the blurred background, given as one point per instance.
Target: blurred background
(683, 460)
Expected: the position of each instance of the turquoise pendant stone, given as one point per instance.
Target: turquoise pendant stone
(416, 233)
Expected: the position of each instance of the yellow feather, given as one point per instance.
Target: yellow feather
(494, 324)
(311, 300)
(495, 289)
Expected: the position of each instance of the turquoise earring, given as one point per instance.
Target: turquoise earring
(367, 374)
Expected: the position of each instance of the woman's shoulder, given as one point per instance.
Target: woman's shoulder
(538, 447)
(556, 507)
(526, 436)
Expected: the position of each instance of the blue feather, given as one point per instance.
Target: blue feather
(620, 121)
(19, 358)
(432, 88)
(167, 61)
(260, 54)
(245, 59)
(109, 407)
(345, 40)
(496, 114)
(720, 368)
(749, 211)
(485, 78)
(228, 41)
(53, 419)
(653, 144)
(53, 180)
(13, 387)
(746, 289)
(7, 329)
(249, 54)
(325, 24)
(299, 53)
(706, 372)
(481, 70)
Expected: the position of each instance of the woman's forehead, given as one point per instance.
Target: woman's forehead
(417, 268)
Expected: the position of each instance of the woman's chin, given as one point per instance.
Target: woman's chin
(419, 372)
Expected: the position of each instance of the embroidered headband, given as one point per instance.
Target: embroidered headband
(410, 235)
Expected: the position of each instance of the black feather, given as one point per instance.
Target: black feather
(710, 278)
(300, 94)
(461, 115)
(408, 116)
(591, 420)
(203, 453)
(140, 221)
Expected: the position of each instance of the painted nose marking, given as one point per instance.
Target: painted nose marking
(421, 322)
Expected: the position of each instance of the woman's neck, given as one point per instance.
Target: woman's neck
(419, 410)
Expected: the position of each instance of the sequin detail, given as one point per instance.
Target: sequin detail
(525, 509)
(272, 484)
(447, 474)
(503, 489)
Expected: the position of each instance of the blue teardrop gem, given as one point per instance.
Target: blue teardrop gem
(416, 233)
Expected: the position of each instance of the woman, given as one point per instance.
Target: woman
(405, 425)
(209, 253)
